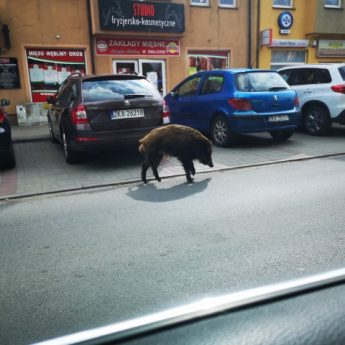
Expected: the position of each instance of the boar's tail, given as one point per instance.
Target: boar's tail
(141, 147)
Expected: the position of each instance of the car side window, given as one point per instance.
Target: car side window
(213, 84)
(323, 76)
(189, 88)
(69, 94)
(303, 76)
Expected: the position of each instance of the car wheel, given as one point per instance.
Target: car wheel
(220, 131)
(316, 120)
(282, 135)
(71, 156)
(51, 134)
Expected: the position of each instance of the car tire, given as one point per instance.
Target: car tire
(316, 120)
(220, 131)
(282, 135)
(51, 134)
(71, 156)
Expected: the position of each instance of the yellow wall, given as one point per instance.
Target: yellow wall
(36, 23)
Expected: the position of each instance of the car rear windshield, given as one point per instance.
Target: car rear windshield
(342, 72)
(260, 81)
(116, 89)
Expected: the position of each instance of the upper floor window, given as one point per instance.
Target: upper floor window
(227, 3)
(200, 2)
(333, 3)
(282, 3)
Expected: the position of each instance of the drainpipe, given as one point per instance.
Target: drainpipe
(258, 9)
(249, 33)
(89, 21)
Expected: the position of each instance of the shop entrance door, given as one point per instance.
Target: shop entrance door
(153, 70)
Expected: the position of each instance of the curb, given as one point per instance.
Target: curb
(128, 182)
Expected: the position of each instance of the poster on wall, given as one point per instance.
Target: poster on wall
(48, 68)
(9, 73)
(207, 60)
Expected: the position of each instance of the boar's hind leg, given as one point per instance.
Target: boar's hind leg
(145, 166)
(155, 160)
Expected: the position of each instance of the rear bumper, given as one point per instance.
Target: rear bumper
(260, 123)
(94, 141)
(340, 118)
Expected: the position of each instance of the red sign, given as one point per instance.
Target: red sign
(137, 46)
(56, 55)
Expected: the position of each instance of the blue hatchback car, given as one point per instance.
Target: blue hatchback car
(234, 101)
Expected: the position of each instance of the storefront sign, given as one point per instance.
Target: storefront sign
(129, 15)
(266, 37)
(48, 68)
(9, 73)
(331, 48)
(285, 21)
(289, 43)
(135, 46)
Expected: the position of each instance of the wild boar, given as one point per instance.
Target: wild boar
(182, 142)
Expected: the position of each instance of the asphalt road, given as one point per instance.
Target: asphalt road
(70, 262)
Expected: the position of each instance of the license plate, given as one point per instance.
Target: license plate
(278, 118)
(127, 114)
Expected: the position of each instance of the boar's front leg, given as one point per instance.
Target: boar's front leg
(188, 168)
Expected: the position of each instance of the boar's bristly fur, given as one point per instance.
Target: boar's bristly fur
(182, 142)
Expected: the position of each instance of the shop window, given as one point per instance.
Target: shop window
(227, 3)
(287, 58)
(200, 2)
(48, 68)
(282, 3)
(333, 3)
(207, 60)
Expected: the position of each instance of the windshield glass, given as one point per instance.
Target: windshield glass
(103, 90)
(259, 81)
(342, 72)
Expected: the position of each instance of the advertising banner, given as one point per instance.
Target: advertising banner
(135, 46)
(9, 73)
(48, 68)
(331, 48)
(129, 15)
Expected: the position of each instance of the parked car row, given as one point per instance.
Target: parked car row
(92, 113)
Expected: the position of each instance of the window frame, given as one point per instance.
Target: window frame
(234, 5)
(333, 6)
(283, 6)
(206, 4)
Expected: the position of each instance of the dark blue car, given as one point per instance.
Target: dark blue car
(234, 101)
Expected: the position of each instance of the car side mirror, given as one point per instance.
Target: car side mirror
(51, 100)
(5, 102)
(174, 94)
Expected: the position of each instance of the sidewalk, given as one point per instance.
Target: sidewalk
(22, 134)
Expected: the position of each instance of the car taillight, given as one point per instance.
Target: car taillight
(2, 116)
(79, 116)
(240, 103)
(296, 102)
(338, 88)
(166, 113)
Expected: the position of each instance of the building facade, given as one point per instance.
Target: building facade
(43, 41)
(299, 31)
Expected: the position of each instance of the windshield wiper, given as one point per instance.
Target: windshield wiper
(277, 88)
(135, 96)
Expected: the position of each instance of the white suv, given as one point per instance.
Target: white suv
(321, 92)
